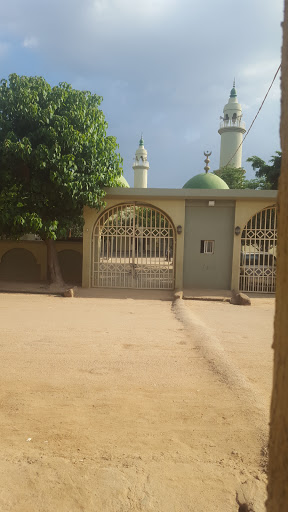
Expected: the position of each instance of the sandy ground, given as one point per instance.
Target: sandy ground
(128, 404)
(246, 335)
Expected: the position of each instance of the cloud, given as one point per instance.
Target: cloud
(30, 42)
(191, 135)
(162, 66)
(131, 8)
(4, 48)
(261, 68)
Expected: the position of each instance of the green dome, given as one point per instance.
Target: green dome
(206, 180)
(233, 93)
(123, 183)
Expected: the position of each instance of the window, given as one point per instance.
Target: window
(207, 246)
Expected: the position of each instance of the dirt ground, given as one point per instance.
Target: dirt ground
(246, 334)
(123, 404)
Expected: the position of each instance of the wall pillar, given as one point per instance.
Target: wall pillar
(87, 248)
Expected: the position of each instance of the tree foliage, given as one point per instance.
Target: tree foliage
(233, 176)
(266, 176)
(55, 156)
(269, 174)
(256, 184)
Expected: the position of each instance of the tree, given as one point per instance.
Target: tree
(233, 176)
(278, 441)
(266, 176)
(55, 158)
(256, 184)
(270, 173)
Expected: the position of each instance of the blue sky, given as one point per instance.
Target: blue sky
(163, 67)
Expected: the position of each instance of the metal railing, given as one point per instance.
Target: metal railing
(232, 123)
(133, 247)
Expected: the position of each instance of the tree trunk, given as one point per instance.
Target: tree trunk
(278, 442)
(54, 269)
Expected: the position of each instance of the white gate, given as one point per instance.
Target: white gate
(133, 247)
(258, 252)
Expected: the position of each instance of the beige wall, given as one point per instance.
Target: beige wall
(38, 250)
(244, 210)
(174, 208)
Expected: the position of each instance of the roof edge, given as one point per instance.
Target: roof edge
(189, 193)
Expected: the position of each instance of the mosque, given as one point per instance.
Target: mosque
(231, 130)
(201, 237)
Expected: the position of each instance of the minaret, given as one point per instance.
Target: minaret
(140, 166)
(231, 130)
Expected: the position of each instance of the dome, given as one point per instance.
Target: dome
(206, 180)
(123, 183)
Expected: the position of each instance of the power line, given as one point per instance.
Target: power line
(274, 78)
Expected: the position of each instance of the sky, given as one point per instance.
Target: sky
(163, 67)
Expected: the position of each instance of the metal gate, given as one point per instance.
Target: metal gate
(258, 252)
(133, 247)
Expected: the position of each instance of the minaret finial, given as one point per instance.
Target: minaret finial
(141, 142)
(233, 93)
(207, 154)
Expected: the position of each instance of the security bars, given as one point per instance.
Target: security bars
(133, 247)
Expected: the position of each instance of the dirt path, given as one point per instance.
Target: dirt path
(246, 335)
(110, 406)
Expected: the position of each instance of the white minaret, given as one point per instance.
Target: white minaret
(231, 130)
(140, 166)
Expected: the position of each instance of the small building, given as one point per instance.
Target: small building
(201, 237)
(182, 239)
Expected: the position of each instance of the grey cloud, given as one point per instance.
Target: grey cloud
(166, 71)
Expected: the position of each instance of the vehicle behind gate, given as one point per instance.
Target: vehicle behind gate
(258, 272)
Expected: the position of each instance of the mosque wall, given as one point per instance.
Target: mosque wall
(26, 260)
(199, 223)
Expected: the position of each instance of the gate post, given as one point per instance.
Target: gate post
(87, 241)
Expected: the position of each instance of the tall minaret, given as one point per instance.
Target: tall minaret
(140, 166)
(231, 130)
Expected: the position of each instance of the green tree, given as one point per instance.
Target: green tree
(266, 176)
(269, 173)
(255, 184)
(55, 158)
(233, 176)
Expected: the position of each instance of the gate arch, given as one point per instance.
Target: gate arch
(259, 252)
(133, 247)
(19, 264)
